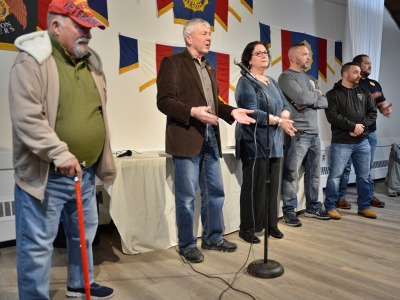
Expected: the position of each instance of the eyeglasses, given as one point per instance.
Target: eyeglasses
(259, 54)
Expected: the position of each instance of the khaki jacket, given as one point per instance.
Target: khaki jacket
(33, 96)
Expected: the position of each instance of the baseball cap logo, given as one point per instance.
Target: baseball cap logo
(78, 7)
(78, 10)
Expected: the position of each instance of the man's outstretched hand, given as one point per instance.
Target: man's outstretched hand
(241, 116)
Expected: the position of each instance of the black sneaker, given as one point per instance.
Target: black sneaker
(96, 292)
(192, 254)
(292, 220)
(318, 213)
(222, 245)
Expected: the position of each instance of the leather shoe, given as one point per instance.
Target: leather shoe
(275, 232)
(343, 204)
(222, 245)
(375, 202)
(249, 236)
(368, 213)
(192, 254)
(334, 214)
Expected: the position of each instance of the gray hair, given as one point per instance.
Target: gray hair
(190, 26)
(59, 18)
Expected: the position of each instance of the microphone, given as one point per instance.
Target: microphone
(245, 70)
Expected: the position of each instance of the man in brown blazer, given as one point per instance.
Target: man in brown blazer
(188, 95)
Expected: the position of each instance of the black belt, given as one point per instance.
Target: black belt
(301, 132)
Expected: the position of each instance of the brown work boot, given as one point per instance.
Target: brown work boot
(368, 213)
(334, 214)
(343, 204)
(375, 202)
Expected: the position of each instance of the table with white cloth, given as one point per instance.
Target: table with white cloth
(142, 203)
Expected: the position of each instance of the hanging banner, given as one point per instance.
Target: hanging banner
(147, 57)
(323, 52)
(17, 17)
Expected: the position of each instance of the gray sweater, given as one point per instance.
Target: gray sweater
(299, 88)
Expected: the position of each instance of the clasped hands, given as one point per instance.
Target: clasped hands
(359, 129)
(287, 125)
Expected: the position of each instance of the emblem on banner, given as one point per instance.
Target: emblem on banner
(195, 5)
(16, 8)
(4, 11)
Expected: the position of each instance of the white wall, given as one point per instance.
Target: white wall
(134, 119)
(388, 129)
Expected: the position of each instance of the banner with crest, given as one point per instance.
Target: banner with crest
(326, 55)
(17, 17)
(209, 10)
(146, 57)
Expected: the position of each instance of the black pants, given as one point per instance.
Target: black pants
(252, 215)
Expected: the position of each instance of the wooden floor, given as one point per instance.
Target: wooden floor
(353, 258)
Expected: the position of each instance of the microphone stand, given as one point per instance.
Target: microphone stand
(264, 268)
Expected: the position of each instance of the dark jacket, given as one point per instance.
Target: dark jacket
(346, 108)
(179, 88)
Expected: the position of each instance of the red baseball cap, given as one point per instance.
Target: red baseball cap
(77, 10)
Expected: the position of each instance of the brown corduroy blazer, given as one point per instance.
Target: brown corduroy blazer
(179, 89)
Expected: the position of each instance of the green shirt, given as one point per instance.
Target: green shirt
(79, 121)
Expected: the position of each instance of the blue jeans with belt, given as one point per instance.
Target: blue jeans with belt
(37, 226)
(303, 149)
(203, 170)
(360, 155)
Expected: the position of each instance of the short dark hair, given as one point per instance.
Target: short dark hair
(347, 66)
(298, 45)
(359, 58)
(248, 52)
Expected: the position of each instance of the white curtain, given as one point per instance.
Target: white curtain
(366, 23)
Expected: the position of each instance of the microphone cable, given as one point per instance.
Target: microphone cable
(217, 277)
(230, 285)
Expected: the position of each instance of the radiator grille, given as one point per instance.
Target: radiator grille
(7, 209)
(375, 165)
(380, 164)
(325, 170)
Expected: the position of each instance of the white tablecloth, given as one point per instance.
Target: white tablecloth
(143, 204)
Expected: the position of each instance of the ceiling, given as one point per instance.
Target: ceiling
(393, 6)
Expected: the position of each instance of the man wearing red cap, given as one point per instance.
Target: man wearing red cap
(57, 99)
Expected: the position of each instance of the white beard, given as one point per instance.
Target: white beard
(80, 50)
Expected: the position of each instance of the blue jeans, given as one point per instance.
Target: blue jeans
(37, 226)
(301, 150)
(203, 170)
(360, 155)
(344, 180)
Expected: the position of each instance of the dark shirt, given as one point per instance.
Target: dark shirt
(346, 108)
(372, 86)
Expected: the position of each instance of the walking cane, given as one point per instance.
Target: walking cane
(81, 223)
